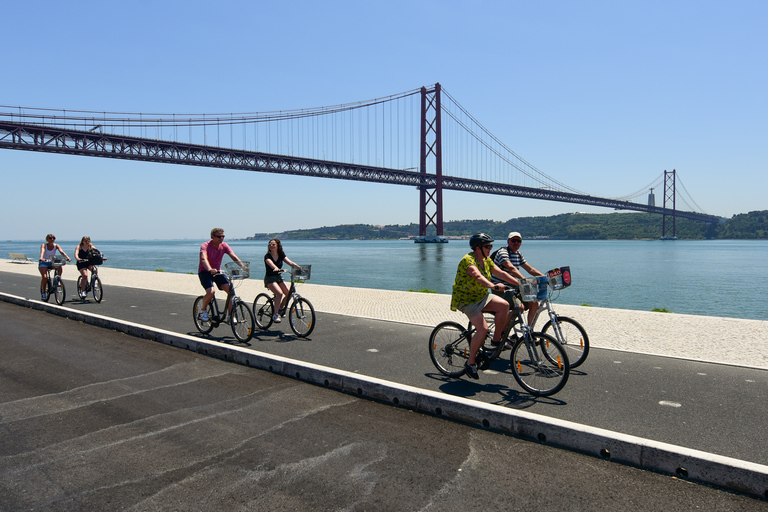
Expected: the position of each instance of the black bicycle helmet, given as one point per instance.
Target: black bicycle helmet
(479, 239)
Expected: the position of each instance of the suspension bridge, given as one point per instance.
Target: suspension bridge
(421, 138)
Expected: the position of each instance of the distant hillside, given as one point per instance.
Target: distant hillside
(568, 226)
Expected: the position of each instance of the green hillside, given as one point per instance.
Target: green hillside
(568, 226)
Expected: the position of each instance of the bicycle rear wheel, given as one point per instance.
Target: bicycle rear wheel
(571, 336)
(263, 310)
(301, 316)
(449, 348)
(98, 291)
(60, 293)
(241, 321)
(203, 326)
(541, 368)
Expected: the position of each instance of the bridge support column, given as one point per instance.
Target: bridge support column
(431, 155)
(669, 195)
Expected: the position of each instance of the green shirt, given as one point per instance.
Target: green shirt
(467, 290)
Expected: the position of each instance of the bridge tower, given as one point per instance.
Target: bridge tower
(669, 196)
(431, 156)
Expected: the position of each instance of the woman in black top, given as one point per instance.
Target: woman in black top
(273, 261)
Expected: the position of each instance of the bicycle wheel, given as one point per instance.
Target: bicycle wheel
(98, 292)
(540, 368)
(301, 316)
(60, 293)
(449, 348)
(263, 311)
(202, 326)
(571, 336)
(241, 321)
(79, 287)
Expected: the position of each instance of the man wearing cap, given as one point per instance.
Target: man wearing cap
(510, 259)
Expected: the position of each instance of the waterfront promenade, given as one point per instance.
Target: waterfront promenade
(613, 390)
(702, 338)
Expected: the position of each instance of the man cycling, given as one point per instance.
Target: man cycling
(470, 295)
(211, 254)
(510, 259)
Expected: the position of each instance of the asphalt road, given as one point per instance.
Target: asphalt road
(96, 420)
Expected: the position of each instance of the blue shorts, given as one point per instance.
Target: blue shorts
(207, 279)
(45, 264)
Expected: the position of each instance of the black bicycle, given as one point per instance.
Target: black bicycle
(55, 285)
(301, 313)
(94, 283)
(240, 319)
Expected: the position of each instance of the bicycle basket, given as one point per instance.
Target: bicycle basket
(59, 261)
(95, 257)
(238, 270)
(533, 288)
(303, 274)
(559, 278)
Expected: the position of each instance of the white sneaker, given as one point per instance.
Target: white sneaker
(276, 318)
(203, 316)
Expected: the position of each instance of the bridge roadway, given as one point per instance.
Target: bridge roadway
(720, 411)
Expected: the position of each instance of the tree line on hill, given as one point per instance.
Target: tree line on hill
(567, 226)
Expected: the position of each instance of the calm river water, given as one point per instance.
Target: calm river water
(713, 277)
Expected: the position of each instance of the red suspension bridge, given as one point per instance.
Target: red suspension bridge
(421, 138)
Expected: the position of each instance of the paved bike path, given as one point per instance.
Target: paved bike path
(708, 407)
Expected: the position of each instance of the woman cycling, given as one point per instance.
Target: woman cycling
(84, 261)
(47, 252)
(273, 262)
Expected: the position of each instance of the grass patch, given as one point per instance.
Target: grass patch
(159, 270)
(660, 310)
(423, 290)
(587, 305)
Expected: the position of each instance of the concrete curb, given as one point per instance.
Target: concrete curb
(694, 465)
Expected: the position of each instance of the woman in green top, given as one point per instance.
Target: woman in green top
(470, 294)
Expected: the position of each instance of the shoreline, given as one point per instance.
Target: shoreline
(723, 340)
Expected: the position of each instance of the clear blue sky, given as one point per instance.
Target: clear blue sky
(601, 95)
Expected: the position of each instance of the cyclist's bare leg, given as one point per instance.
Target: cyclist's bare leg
(533, 307)
(84, 285)
(481, 330)
(44, 273)
(209, 293)
(280, 292)
(226, 288)
(500, 309)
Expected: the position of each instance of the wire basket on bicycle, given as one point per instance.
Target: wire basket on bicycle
(238, 269)
(301, 274)
(58, 261)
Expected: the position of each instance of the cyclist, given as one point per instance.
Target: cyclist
(273, 261)
(510, 259)
(211, 254)
(470, 295)
(47, 252)
(85, 252)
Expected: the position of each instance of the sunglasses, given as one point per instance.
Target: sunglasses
(488, 246)
(515, 241)
(219, 236)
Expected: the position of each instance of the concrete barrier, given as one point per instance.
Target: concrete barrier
(694, 465)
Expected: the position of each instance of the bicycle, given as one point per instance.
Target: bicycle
(94, 283)
(55, 285)
(567, 331)
(539, 364)
(301, 313)
(240, 319)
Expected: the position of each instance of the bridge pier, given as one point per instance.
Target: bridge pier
(431, 195)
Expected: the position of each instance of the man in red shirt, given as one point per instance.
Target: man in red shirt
(211, 254)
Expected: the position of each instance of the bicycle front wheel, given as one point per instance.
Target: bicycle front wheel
(58, 289)
(449, 348)
(571, 336)
(241, 321)
(301, 316)
(541, 367)
(263, 311)
(98, 292)
(203, 326)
